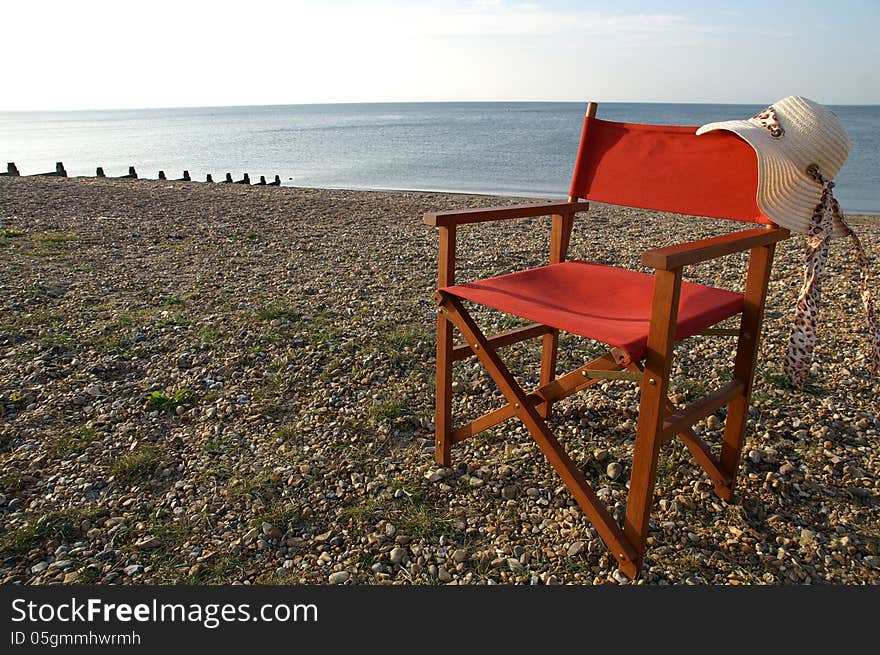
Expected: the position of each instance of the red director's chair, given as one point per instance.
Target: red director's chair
(640, 315)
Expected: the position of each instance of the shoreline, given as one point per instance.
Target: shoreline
(221, 384)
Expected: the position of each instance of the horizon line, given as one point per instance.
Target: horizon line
(407, 102)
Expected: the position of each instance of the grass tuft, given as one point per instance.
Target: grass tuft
(159, 400)
(137, 465)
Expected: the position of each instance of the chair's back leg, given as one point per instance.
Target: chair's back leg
(760, 265)
(443, 379)
(560, 235)
(652, 409)
(549, 349)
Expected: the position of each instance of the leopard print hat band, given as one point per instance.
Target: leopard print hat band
(788, 137)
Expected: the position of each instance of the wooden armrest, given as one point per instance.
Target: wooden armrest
(480, 215)
(672, 257)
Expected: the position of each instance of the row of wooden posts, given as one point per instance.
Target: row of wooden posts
(12, 170)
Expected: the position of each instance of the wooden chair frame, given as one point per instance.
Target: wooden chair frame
(659, 420)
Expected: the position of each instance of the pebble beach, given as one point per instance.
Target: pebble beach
(228, 384)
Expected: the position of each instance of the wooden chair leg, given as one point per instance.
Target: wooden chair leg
(443, 409)
(549, 350)
(652, 410)
(760, 265)
(443, 380)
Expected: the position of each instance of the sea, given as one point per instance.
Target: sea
(501, 148)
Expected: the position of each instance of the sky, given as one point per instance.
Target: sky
(96, 54)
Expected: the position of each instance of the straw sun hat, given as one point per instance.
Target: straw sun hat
(788, 137)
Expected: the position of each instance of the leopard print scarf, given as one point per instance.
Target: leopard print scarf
(803, 334)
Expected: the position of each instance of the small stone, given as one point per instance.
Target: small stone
(250, 536)
(786, 469)
(460, 555)
(457, 386)
(619, 577)
(109, 553)
(61, 564)
(14, 504)
(378, 567)
(614, 470)
(434, 476)
(576, 548)
(600, 455)
(390, 530)
(807, 537)
(148, 543)
(271, 531)
(755, 456)
(339, 577)
(70, 578)
(533, 492)
(133, 569)
(509, 492)
(443, 575)
(39, 567)
(397, 555)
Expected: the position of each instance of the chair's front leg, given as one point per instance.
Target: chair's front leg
(443, 410)
(443, 379)
(760, 265)
(652, 410)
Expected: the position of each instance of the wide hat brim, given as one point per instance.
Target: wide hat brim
(786, 193)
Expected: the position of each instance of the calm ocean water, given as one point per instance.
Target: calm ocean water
(499, 148)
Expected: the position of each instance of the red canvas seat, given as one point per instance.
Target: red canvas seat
(604, 303)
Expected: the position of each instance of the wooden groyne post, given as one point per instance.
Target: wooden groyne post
(209, 179)
(11, 170)
(245, 180)
(99, 172)
(132, 174)
(58, 172)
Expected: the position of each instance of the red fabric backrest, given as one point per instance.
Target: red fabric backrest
(667, 167)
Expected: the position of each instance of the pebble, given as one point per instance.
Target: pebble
(614, 469)
(397, 555)
(148, 543)
(460, 555)
(576, 548)
(133, 569)
(271, 531)
(338, 577)
(619, 577)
